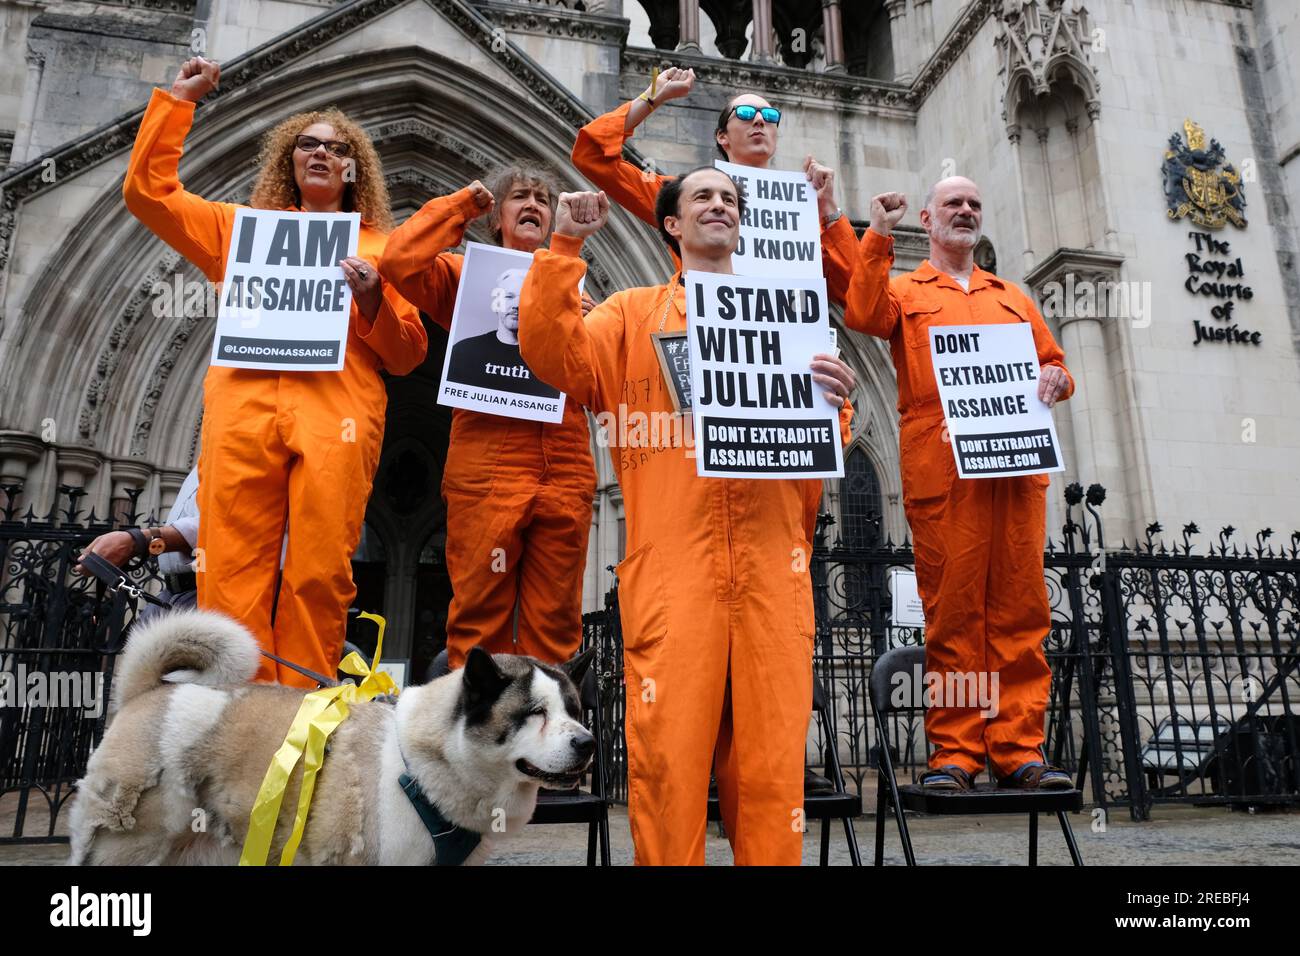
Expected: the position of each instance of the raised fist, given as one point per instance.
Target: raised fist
(197, 78)
(673, 83)
(581, 214)
(482, 196)
(887, 210)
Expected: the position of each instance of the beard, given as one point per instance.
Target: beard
(948, 235)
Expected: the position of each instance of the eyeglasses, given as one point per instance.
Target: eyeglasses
(309, 144)
(747, 113)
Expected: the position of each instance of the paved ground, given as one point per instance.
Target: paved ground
(1177, 836)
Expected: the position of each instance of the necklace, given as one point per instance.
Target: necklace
(672, 292)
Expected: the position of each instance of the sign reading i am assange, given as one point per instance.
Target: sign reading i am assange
(285, 303)
(757, 411)
(988, 384)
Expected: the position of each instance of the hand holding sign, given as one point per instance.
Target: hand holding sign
(830, 372)
(823, 181)
(1052, 382)
(367, 287)
(579, 215)
(196, 79)
(887, 210)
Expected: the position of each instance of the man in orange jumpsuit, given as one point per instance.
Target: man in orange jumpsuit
(301, 445)
(748, 141)
(978, 541)
(715, 594)
(518, 493)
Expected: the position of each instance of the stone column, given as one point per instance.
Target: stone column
(762, 45)
(18, 452)
(689, 29)
(833, 29)
(900, 39)
(27, 110)
(129, 473)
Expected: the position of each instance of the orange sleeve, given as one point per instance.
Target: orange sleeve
(871, 306)
(396, 335)
(1049, 353)
(416, 261)
(839, 256)
(583, 357)
(196, 228)
(598, 155)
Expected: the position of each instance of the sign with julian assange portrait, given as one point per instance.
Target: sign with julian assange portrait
(988, 384)
(285, 303)
(483, 370)
(757, 411)
(780, 232)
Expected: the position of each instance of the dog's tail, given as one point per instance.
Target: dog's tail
(184, 647)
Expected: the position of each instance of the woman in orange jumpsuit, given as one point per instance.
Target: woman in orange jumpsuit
(518, 493)
(715, 594)
(598, 155)
(277, 446)
(978, 541)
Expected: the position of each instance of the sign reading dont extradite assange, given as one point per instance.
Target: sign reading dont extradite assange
(285, 303)
(757, 411)
(988, 384)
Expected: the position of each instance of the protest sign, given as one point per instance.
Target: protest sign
(988, 384)
(757, 411)
(285, 303)
(483, 370)
(780, 232)
(675, 363)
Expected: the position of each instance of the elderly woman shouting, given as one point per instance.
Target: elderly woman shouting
(280, 446)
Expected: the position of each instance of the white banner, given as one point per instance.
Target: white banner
(988, 384)
(483, 370)
(906, 599)
(758, 413)
(285, 303)
(780, 233)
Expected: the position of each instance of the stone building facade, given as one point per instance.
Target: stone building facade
(1062, 110)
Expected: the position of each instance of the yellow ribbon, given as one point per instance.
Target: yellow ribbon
(319, 715)
(654, 80)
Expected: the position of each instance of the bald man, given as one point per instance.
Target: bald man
(978, 541)
(491, 360)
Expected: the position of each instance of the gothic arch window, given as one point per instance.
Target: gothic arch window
(861, 515)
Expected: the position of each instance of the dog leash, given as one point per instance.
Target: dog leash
(120, 586)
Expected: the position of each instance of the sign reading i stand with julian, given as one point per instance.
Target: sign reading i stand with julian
(780, 233)
(757, 411)
(988, 384)
(285, 303)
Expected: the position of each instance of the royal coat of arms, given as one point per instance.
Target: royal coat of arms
(1199, 184)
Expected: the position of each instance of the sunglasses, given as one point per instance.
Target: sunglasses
(309, 144)
(747, 113)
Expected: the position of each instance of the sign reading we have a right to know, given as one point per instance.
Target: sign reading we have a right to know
(988, 384)
(780, 233)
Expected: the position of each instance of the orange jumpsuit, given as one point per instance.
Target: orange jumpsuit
(978, 541)
(598, 155)
(715, 595)
(518, 493)
(301, 445)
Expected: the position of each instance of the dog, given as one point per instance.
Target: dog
(189, 741)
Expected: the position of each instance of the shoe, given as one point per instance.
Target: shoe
(951, 777)
(1037, 776)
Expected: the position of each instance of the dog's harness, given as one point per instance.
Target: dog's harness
(452, 844)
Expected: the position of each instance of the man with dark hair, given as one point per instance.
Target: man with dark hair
(714, 593)
(745, 135)
(518, 492)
